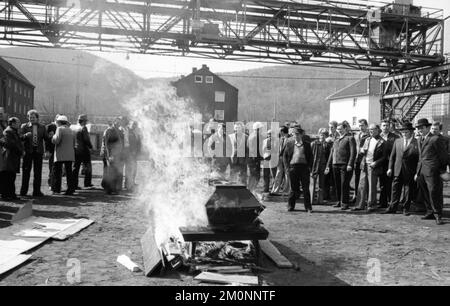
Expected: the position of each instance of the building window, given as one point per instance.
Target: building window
(355, 121)
(219, 96)
(355, 102)
(198, 79)
(9, 100)
(20, 89)
(15, 87)
(9, 83)
(219, 114)
(209, 79)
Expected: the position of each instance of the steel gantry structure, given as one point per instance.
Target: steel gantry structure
(384, 37)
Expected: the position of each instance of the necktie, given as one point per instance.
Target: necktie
(35, 138)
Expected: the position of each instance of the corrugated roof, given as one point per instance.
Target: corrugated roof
(14, 71)
(368, 86)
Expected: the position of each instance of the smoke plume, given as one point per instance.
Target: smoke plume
(175, 187)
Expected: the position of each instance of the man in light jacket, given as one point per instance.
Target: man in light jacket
(64, 140)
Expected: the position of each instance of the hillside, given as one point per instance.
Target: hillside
(287, 93)
(298, 93)
(103, 86)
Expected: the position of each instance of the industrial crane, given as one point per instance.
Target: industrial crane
(400, 39)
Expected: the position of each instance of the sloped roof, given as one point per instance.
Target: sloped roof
(368, 86)
(14, 71)
(204, 69)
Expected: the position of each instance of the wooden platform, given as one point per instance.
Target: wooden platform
(197, 234)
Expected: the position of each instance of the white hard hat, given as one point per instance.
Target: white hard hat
(62, 119)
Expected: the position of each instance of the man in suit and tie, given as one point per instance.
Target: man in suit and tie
(402, 165)
(374, 155)
(433, 159)
(282, 178)
(385, 181)
(360, 139)
(239, 154)
(34, 135)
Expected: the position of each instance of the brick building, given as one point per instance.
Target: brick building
(213, 97)
(16, 92)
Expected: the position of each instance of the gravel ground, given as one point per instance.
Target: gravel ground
(329, 247)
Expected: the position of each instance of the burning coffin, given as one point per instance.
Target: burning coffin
(233, 206)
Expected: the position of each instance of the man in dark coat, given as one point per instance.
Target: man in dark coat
(34, 134)
(402, 165)
(50, 149)
(83, 147)
(385, 181)
(298, 157)
(11, 158)
(112, 147)
(432, 161)
(342, 159)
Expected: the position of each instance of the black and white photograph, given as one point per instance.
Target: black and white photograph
(224, 149)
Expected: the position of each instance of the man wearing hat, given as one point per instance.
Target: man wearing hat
(402, 164)
(298, 158)
(64, 141)
(83, 146)
(432, 161)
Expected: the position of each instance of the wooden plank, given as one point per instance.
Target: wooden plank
(273, 253)
(151, 253)
(125, 261)
(13, 263)
(72, 230)
(207, 234)
(209, 277)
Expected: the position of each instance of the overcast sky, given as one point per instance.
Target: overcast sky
(166, 66)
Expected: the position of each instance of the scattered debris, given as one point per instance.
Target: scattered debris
(217, 278)
(13, 262)
(125, 261)
(153, 258)
(274, 254)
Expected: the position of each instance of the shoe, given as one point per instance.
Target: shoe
(371, 210)
(56, 192)
(290, 208)
(389, 211)
(345, 207)
(439, 221)
(358, 209)
(89, 186)
(69, 192)
(428, 217)
(38, 194)
(309, 211)
(23, 194)
(353, 200)
(337, 205)
(406, 213)
(14, 198)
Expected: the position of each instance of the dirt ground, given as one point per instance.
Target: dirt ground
(330, 247)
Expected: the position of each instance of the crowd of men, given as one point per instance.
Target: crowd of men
(408, 164)
(68, 149)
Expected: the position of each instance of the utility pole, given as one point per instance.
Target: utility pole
(77, 96)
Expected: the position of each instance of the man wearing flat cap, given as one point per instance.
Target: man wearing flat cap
(83, 147)
(298, 158)
(432, 162)
(402, 164)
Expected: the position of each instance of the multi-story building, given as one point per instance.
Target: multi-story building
(213, 97)
(16, 92)
(360, 100)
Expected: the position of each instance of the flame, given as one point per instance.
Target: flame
(175, 188)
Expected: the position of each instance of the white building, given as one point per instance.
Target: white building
(360, 100)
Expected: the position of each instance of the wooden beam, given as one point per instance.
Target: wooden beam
(217, 278)
(273, 253)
